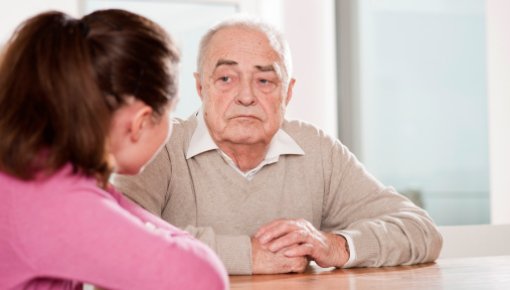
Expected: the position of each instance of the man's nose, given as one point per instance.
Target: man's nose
(246, 97)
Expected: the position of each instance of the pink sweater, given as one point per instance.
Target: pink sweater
(63, 231)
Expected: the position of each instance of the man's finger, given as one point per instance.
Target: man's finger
(276, 231)
(290, 239)
(305, 249)
(264, 228)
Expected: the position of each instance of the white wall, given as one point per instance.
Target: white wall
(309, 27)
(498, 49)
(12, 13)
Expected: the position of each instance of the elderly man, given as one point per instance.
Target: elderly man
(268, 194)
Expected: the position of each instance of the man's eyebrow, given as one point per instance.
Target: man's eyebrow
(269, 67)
(225, 62)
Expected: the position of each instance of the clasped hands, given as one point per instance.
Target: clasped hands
(287, 245)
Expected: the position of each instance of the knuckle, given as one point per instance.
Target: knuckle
(297, 235)
(300, 234)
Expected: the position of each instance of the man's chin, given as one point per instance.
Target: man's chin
(245, 139)
(251, 133)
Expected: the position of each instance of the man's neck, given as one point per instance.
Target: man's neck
(245, 156)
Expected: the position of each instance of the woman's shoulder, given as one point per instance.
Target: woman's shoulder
(64, 184)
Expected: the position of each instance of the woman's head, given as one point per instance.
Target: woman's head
(88, 91)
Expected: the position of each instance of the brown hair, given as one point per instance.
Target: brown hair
(62, 78)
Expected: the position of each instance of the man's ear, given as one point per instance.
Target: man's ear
(140, 122)
(198, 84)
(289, 91)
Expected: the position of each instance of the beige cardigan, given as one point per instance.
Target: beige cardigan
(327, 186)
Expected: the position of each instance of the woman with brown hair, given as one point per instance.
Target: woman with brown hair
(80, 99)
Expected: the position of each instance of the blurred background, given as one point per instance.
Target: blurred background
(419, 90)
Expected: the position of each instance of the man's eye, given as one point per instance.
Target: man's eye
(225, 79)
(267, 83)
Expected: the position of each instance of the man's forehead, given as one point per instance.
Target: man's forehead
(242, 47)
(241, 41)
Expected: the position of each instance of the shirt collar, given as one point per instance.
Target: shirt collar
(201, 141)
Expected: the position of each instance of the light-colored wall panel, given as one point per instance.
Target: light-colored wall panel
(475, 241)
(498, 49)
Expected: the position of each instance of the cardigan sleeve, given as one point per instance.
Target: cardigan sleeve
(386, 228)
(88, 236)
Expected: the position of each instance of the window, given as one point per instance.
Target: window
(420, 102)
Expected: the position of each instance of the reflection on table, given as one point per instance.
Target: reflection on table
(462, 273)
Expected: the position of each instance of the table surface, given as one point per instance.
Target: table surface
(461, 273)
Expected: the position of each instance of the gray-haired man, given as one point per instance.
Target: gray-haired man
(268, 194)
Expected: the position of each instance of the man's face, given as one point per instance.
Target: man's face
(241, 87)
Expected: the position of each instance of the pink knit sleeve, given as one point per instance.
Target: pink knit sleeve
(87, 236)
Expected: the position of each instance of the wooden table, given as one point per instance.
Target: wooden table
(463, 273)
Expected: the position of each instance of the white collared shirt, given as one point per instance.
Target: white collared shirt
(281, 144)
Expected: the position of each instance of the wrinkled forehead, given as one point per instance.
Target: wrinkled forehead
(243, 44)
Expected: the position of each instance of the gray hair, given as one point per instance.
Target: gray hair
(274, 36)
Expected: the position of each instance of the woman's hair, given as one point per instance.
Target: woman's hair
(62, 78)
